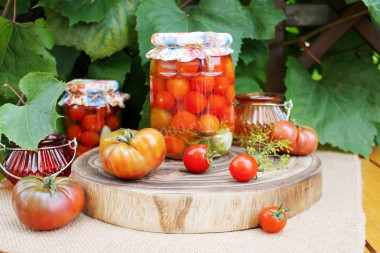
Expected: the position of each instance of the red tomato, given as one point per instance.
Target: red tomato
(82, 149)
(157, 84)
(179, 87)
(273, 219)
(217, 104)
(187, 68)
(230, 94)
(77, 112)
(160, 118)
(227, 116)
(74, 131)
(229, 71)
(113, 122)
(174, 145)
(208, 123)
(221, 85)
(131, 154)
(184, 120)
(164, 100)
(93, 122)
(90, 138)
(39, 207)
(203, 84)
(166, 69)
(105, 111)
(194, 102)
(195, 158)
(243, 167)
(304, 140)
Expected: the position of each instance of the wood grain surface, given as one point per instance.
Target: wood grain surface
(173, 200)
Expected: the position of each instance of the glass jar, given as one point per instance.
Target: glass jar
(91, 110)
(54, 154)
(259, 110)
(192, 90)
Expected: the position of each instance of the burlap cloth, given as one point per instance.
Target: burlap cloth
(336, 223)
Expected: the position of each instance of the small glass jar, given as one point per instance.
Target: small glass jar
(259, 110)
(91, 109)
(192, 90)
(55, 153)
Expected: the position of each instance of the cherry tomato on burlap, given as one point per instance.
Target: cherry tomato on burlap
(273, 219)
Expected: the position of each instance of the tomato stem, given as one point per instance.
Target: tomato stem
(48, 183)
(126, 138)
(279, 213)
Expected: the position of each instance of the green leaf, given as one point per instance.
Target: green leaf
(246, 84)
(145, 114)
(23, 6)
(378, 135)
(264, 17)
(85, 10)
(227, 16)
(28, 125)
(342, 106)
(374, 10)
(98, 40)
(65, 57)
(23, 49)
(114, 68)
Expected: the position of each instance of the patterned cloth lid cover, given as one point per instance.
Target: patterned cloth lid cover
(189, 46)
(89, 92)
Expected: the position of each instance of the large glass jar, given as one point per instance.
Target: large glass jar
(54, 155)
(192, 90)
(259, 110)
(91, 107)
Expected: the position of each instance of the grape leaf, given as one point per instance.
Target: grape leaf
(29, 124)
(341, 107)
(84, 10)
(98, 40)
(23, 49)
(264, 17)
(23, 6)
(374, 10)
(246, 84)
(145, 114)
(65, 57)
(227, 16)
(115, 68)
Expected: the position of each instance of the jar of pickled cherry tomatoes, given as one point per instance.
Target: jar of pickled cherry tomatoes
(91, 110)
(192, 90)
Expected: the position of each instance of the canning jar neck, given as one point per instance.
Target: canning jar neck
(260, 98)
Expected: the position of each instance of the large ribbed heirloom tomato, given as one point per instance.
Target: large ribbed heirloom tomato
(131, 154)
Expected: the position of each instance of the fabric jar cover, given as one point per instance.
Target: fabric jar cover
(89, 92)
(189, 46)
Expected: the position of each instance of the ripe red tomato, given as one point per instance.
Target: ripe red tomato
(243, 167)
(131, 154)
(203, 83)
(304, 140)
(90, 138)
(195, 158)
(93, 122)
(187, 68)
(273, 219)
(194, 102)
(77, 112)
(165, 100)
(39, 207)
(113, 122)
(179, 87)
(74, 131)
(208, 124)
(217, 104)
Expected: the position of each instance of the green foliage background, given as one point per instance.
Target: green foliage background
(108, 39)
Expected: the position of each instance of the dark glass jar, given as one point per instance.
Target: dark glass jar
(54, 154)
(258, 110)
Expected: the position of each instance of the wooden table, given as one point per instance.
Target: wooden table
(371, 199)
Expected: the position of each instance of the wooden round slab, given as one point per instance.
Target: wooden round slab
(173, 200)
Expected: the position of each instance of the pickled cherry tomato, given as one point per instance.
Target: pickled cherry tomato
(229, 68)
(82, 149)
(178, 87)
(90, 138)
(207, 123)
(230, 94)
(228, 116)
(113, 122)
(157, 85)
(93, 122)
(203, 83)
(217, 103)
(73, 131)
(184, 120)
(166, 69)
(217, 62)
(187, 68)
(160, 118)
(105, 111)
(194, 102)
(77, 113)
(164, 100)
(174, 145)
(221, 85)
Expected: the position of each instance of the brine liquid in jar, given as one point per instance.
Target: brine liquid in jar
(192, 90)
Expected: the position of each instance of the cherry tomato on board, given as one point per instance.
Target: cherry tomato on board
(197, 158)
(273, 219)
(243, 167)
(41, 206)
